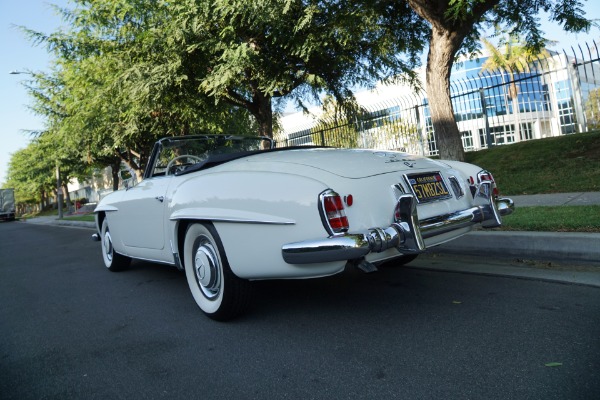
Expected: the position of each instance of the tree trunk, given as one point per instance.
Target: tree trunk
(67, 195)
(442, 50)
(43, 198)
(514, 96)
(263, 113)
(114, 168)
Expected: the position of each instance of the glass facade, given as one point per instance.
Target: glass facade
(514, 106)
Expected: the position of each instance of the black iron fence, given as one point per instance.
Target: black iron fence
(553, 95)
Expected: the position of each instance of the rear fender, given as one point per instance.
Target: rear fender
(251, 211)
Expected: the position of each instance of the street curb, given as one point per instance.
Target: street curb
(60, 222)
(562, 247)
(524, 269)
(80, 224)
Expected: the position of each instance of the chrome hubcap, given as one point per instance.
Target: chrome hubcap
(206, 268)
(108, 248)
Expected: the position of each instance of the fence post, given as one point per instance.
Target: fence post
(420, 130)
(488, 135)
(575, 81)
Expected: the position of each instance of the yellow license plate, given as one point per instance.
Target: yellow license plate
(428, 187)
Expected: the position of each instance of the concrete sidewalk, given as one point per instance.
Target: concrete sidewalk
(557, 199)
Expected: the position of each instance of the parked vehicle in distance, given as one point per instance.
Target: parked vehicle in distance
(229, 209)
(7, 204)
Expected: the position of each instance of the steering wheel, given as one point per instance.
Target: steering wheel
(170, 164)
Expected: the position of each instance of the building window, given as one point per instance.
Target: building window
(467, 140)
(566, 111)
(526, 132)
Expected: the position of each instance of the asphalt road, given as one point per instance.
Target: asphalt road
(69, 329)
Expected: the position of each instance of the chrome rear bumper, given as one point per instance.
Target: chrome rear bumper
(406, 234)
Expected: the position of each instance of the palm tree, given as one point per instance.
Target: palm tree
(513, 57)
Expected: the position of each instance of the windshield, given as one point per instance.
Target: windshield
(175, 155)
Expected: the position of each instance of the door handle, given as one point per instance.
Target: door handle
(160, 198)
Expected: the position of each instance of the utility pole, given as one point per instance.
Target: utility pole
(59, 194)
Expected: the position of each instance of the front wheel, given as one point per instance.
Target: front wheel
(215, 288)
(112, 260)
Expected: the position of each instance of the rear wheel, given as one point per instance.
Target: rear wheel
(112, 260)
(400, 261)
(215, 288)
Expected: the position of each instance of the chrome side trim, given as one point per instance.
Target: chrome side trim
(235, 220)
(229, 215)
(176, 258)
(105, 207)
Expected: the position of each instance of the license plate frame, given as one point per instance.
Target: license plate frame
(428, 186)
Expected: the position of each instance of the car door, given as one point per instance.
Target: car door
(142, 217)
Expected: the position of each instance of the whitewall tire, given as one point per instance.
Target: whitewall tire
(215, 288)
(112, 260)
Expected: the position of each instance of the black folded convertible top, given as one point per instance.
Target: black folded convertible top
(218, 159)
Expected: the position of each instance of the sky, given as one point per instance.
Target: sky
(18, 54)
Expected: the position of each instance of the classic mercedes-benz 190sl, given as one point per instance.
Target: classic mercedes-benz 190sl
(229, 209)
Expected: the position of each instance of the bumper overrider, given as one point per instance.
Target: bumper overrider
(406, 233)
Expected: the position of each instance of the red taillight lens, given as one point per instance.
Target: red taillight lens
(485, 176)
(333, 214)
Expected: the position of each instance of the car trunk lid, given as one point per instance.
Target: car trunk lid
(350, 163)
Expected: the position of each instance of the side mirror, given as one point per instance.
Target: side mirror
(127, 178)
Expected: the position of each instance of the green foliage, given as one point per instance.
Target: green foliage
(512, 56)
(127, 72)
(592, 109)
(31, 172)
(336, 127)
(130, 71)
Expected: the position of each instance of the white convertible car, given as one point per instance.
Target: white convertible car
(229, 210)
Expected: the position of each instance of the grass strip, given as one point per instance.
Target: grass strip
(564, 164)
(554, 219)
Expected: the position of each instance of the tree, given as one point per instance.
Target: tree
(134, 70)
(592, 109)
(172, 61)
(455, 27)
(270, 49)
(337, 126)
(391, 131)
(512, 57)
(116, 86)
(31, 173)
